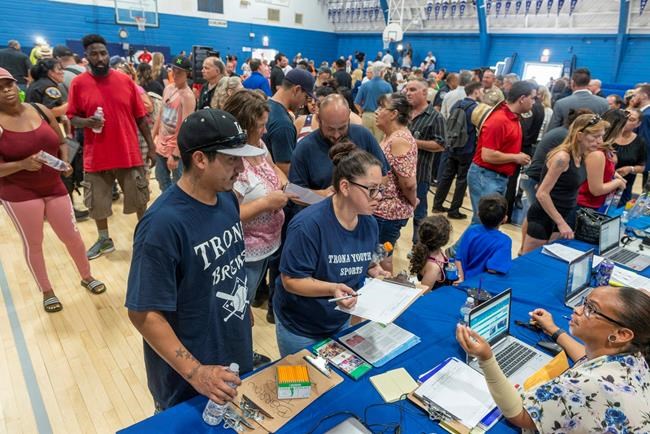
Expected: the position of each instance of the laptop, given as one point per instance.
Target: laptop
(609, 246)
(517, 359)
(578, 279)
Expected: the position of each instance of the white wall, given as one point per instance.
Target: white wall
(252, 11)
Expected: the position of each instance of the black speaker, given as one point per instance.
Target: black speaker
(199, 54)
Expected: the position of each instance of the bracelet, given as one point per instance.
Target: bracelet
(557, 334)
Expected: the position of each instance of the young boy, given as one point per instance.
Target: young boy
(483, 247)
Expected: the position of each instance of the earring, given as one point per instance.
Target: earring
(611, 339)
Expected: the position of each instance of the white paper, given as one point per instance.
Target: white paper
(460, 390)
(374, 341)
(381, 301)
(562, 252)
(305, 195)
(624, 277)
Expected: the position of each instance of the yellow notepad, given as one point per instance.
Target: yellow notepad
(393, 384)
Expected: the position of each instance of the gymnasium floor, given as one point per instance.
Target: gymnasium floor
(81, 370)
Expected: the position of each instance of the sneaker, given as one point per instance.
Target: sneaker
(101, 246)
(456, 215)
(270, 317)
(440, 208)
(260, 359)
(80, 215)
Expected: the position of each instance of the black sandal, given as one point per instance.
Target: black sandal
(94, 286)
(52, 304)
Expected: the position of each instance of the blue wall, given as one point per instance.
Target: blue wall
(24, 19)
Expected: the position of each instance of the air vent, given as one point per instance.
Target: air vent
(298, 19)
(273, 15)
(244, 3)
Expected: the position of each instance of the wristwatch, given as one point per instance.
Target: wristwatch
(557, 334)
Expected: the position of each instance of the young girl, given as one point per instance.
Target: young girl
(429, 261)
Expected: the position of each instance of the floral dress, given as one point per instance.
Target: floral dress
(394, 205)
(609, 394)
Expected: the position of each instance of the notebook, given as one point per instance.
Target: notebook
(377, 343)
(393, 385)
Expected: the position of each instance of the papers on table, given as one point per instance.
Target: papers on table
(392, 385)
(622, 277)
(381, 301)
(305, 195)
(567, 254)
(378, 343)
(459, 390)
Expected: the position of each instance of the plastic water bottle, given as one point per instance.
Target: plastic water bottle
(381, 252)
(213, 413)
(625, 217)
(451, 271)
(52, 161)
(465, 308)
(99, 114)
(638, 207)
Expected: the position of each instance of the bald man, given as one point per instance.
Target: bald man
(595, 86)
(311, 166)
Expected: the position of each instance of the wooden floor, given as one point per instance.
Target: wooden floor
(87, 360)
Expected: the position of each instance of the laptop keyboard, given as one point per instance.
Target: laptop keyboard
(624, 256)
(513, 357)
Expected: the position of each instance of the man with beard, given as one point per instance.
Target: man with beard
(111, 147)
(311, 166)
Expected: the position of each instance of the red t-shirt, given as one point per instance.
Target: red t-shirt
(117, 146)
(585, 198)
(144, 57)
(501, 132)
(24, 185)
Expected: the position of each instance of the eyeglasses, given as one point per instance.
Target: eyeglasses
(589, 309)
(594, 120)
(373, 192)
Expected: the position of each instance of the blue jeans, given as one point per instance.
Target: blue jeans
(290, 343)
(420, 212)
(389, 230)
(254, 274)
(482, 182)
(164, 176)
(528, 186)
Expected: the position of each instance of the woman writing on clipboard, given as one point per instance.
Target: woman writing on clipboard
(327, 253)
(608, 388)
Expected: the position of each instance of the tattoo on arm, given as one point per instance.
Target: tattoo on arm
(182, 353)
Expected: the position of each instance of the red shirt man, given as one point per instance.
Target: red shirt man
(500, 132)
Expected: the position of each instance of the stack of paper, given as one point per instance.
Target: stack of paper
(378, 343)
(382, 302)
(392, 385)
(622, 277)
(304, 195)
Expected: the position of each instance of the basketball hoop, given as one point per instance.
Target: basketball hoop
(141, 23)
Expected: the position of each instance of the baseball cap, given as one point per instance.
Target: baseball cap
(303, 79)
(62, 51)
(182, 62)
(115, 61)
(215, 130)
(4, 74)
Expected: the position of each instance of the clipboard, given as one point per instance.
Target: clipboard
(261, 390)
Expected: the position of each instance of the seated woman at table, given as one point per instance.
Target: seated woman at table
(608, 388)
(554, 211)
(600, 164)
(429, 262)
(327, 253)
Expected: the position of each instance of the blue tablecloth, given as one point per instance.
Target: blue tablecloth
(536, 280)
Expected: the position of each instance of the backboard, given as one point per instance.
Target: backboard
(127, 12)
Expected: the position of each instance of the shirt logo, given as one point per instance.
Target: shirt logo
(236, 302)
(53, 92)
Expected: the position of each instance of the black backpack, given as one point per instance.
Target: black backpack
(456, 133)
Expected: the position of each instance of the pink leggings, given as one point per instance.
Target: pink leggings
(29, 216)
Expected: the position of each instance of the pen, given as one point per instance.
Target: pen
(345, 297)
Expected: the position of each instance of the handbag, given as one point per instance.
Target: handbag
(588, 224)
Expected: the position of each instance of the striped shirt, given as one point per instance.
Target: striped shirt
(428, 125)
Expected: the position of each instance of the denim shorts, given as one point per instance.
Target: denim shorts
(389, 230)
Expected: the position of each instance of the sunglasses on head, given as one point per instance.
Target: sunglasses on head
(594, 120)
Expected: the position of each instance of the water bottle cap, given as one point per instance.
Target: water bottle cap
(470, 299)
(234, 368)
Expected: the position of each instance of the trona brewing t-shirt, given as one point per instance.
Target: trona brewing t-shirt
(318, 246)
(194, 274)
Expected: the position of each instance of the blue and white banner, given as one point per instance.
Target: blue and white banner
(572, 6)
(560, 3)
(488, 6)
(507, 8)
(428, 9)
(528, 4)
(454, 7)
(549, 6)
(436, 9)
(642, 6)
(498, 7)
(517, 6)
(538, 6)
(462, 5)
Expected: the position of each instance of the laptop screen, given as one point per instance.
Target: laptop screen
(579, 274)
(492, 319)
(609, 235)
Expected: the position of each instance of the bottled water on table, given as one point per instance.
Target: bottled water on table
(465, 308)
(213, 413)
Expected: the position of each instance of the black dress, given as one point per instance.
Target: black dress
(632, 154)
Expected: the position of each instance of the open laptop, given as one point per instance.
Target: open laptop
(609, 246)
(517, 359)
(578, 279)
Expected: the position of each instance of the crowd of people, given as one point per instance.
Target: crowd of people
(371, 140)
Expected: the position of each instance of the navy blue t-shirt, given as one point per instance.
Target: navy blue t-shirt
(482, 249)
(311, 166)
(280, 137)
(194, 275)
(318, 246)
